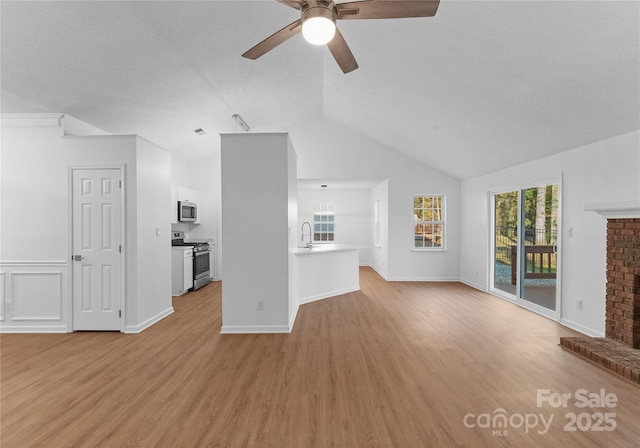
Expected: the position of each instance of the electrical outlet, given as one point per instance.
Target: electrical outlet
(579, 304)
(260, 305)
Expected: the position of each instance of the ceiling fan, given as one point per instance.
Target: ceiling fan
(318, 23)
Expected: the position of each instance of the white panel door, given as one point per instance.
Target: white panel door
(97, 257)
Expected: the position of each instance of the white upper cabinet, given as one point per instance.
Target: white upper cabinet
(187, 194)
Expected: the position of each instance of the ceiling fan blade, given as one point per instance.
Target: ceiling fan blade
(387, 9)
(297, 4)
(341, 53)
(274, 40)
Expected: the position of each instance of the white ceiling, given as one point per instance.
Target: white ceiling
(480, 86)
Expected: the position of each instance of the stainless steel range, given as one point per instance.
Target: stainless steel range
(201, 259)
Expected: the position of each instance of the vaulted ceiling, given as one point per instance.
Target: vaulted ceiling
(479, 87)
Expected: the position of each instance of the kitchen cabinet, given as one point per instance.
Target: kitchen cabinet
(189, 195)
(326, 270)
(181, 269)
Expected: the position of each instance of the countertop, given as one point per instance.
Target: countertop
(324, 248)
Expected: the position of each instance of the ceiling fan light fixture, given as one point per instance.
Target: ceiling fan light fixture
(318, 24)
(318, 30)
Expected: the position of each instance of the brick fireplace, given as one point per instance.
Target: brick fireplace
(623, 281)
(619, 351)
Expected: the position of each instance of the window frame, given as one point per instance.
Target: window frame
(442, 222)
(377, 223)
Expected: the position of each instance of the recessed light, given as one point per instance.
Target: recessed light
(200, 131)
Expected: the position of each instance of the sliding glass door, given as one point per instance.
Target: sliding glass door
(539, 246)
(505, 261)
(525, 246)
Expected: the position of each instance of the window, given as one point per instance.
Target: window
(428, 217)
(324, 216)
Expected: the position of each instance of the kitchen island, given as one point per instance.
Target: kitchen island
(326, 270)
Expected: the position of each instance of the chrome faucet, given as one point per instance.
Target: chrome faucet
(302, 236)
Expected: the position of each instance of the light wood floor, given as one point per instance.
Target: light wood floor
(394, 365)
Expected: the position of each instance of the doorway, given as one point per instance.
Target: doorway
(525, 256)
(98, 276)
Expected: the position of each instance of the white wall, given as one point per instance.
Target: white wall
(180, 175)
(36, 225)
(354, 214)
(328, 150)
(258, 195)
(34, 192)
(73, 126)
(607, 171)
(153, 180)
(292, 216)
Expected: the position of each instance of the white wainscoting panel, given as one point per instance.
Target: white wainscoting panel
(35, 296)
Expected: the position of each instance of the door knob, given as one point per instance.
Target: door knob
(78, 257)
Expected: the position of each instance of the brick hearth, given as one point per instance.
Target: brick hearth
(612, 355)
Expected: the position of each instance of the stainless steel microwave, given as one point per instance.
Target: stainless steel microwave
(187, 211)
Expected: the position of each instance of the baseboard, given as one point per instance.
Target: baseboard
(422, 279)
(250, 329)
(33, 329)
(413, 279)
(473, 285)
(292, 318)
(375, 268)
(328, 294)
(133, 329)
(581, 328)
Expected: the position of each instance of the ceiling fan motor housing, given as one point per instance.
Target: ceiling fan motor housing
(319, 9)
